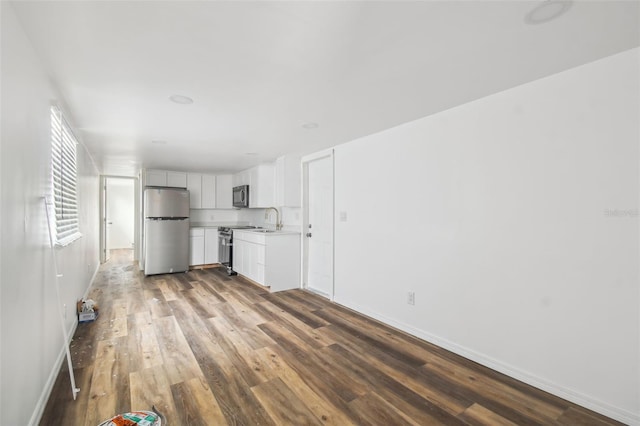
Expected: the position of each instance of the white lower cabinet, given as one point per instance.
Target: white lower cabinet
(271, 259)
(246, 255)
(196, 244)
(238, 255)
(204, 246)
(211, 245)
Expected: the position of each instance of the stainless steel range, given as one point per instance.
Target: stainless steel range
(225, 245)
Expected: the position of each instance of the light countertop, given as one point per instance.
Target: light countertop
(271, 233)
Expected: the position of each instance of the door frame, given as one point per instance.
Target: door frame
(103, 215)
(329, 153)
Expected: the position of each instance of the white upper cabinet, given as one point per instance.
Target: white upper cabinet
(242, 178)
(224, 191)
(165, 178)
(261, 181)
(209, 192)
(155, 178)
(288, 181)
(273, 184)
(202, 191)
(261, 186)
(177, 179)
(194, 185)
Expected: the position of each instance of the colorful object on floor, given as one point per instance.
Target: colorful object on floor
(136, 418)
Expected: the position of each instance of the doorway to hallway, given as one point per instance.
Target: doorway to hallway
(118, 215)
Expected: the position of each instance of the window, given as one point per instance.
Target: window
(64, 178)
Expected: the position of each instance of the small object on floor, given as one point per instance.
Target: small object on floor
(136, 418)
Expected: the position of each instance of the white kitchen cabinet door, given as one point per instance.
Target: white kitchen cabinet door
(238, 256)
(288, 181)
(155, 178)
(248, 255)
(194, 185)
(177, 179)
(196, 242)
(282, 262)
(211, 246)
(249, 260)
(261, 189)
(242, 178)
(259, 263)
(252, 254)
(224, 191)
(209, 192)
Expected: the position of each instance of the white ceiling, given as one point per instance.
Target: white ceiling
(258, 71)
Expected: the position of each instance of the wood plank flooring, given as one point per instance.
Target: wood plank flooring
(208, 349)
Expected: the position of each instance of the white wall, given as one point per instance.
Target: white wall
(223, 216)
(500, 216)
(32, 342)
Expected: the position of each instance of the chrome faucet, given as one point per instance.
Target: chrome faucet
(278, 223)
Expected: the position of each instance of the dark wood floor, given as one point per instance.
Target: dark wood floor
(207, 349)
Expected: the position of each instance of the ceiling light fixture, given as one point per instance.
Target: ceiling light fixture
(159, 142)
(182, 100)
(310, 126)
(547, 11)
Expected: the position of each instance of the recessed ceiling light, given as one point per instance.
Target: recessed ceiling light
(310, 126)
(159, 142)
(179, 99)
(547, 11)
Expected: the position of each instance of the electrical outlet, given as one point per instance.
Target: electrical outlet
(210, 217)
(411, 298)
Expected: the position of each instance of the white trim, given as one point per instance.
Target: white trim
(320, 155)
(53, 375)
(51, 380)
(317, 155)
(585, 401)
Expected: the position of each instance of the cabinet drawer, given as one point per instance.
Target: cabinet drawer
(196, 232)
(251, 237)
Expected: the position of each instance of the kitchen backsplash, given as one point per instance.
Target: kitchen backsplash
(213, 215)
(290, 217)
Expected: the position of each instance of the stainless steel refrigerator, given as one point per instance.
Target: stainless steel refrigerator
(166, 230)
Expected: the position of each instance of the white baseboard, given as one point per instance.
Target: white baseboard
(603, 408)
(51, 380)
(53, 375)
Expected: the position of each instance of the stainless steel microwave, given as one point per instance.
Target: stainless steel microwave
(241, 196)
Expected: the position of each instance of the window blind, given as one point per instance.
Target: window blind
(64, 178)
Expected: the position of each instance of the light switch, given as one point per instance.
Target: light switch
(343, 216)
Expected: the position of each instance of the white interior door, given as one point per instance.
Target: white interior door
(104, 253)
(120, 213)
(319, 224)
